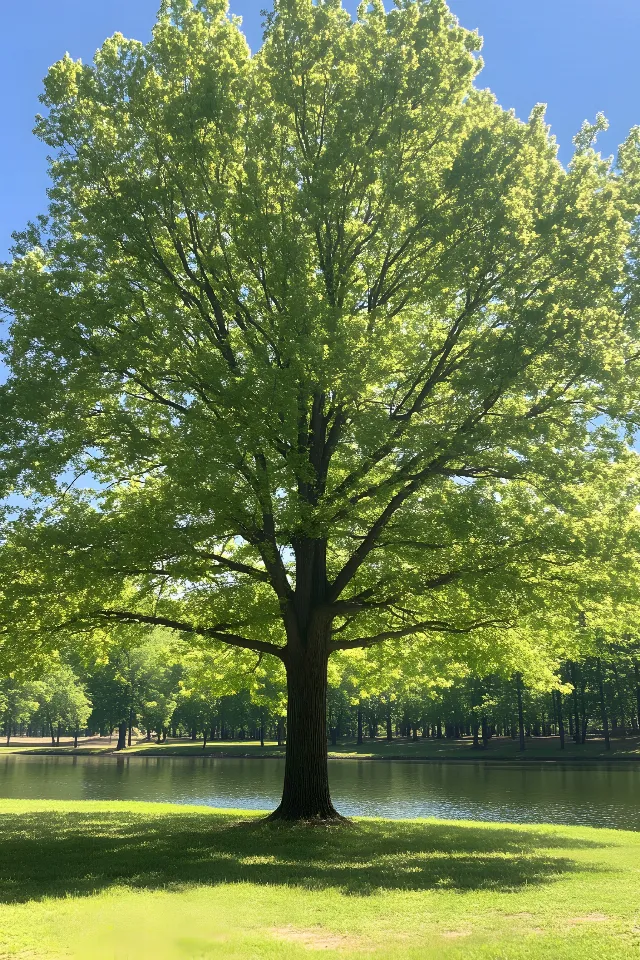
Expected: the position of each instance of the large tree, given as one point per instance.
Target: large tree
(338, 340)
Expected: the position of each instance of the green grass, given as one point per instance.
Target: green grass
(136, 880)
(537, 748)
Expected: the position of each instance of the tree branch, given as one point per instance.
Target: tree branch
(234, 565)
(217, 633)
(434, 626)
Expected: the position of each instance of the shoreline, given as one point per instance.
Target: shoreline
(518, 760)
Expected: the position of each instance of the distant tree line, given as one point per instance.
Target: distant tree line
(162, 689)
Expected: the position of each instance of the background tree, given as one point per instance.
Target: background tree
(346, 347)
(63, 702)
(18, 702)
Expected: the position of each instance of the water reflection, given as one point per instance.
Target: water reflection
(531, 793)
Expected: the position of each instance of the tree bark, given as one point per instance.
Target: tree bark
(636, 669)
(486, 734)
(305, 794)
(130, 727)
(122, 735)
(359, 722)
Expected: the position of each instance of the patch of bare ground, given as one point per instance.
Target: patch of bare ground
(587, 918)
(316, 938)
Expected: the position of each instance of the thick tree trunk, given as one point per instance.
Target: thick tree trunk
(122, 735)
(486, 734)
(305, 794)
(475, 727)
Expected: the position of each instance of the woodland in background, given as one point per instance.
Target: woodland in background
(160, 688)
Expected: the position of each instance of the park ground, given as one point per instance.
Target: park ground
(98, 880)
(498, 748)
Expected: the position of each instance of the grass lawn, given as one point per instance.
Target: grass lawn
(106, 881)
(499, 748)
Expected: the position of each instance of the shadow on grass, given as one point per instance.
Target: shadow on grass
(53, 854)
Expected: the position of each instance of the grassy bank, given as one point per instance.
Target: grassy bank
(133, 880)
(537, 748)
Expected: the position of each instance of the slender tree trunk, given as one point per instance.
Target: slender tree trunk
(130, 726)
(560, 718)
(305, 794)
(360, 722)
(636, 670)
(520, 712)
(280, 731)
(583, 708)
(75, 739)
(122, 735)
(574, 696)
(603, 707)
(388, 718)
(53, 736)
(621, 704)
(261, 730)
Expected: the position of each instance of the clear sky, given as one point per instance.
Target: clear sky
(578, 56)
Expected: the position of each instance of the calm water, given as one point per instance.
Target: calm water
(598, 796)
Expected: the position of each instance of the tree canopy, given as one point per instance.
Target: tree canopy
(316, 348)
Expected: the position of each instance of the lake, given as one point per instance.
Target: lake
(602, 795)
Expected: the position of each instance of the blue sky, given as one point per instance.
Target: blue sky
(578, 56)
